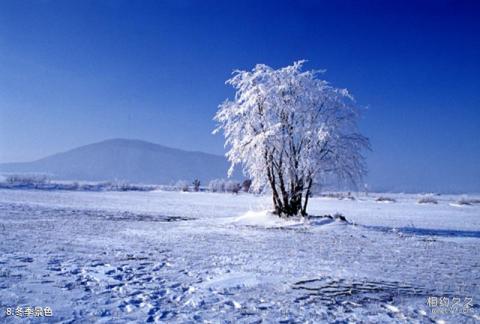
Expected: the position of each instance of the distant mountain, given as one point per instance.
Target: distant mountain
(129, 160)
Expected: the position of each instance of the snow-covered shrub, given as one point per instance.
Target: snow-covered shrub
(29, 181)
(336, 216)
(468, 201)
(427, 200)
(89, 187)
(26, 179)
(71, 186)
(122, 186)
(349, 196)
(331, 195)
(212, 186)
(217, 185)
(116, 186)
(338, 195)
(232, 186)
(386, 199)
(182, 185)
(196, 185)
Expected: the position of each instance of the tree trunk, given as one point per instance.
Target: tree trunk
(291, 204)
(307, 195)
(287, 200)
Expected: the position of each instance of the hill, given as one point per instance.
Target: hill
(128, 160)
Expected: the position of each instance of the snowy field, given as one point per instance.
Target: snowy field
(202, 257)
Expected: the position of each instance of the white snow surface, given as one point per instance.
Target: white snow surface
(265, 218)
(203, 257)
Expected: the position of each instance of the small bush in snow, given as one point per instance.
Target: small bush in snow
(385, 199)
(339, 217)
(232, 186)
(332, 195)
(338, 195)
(468, 202)
(427, 200)
(336, 216)
(196, 185)
(217, 185)
(182, 185)
(349, 196)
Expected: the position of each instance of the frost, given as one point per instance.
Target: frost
(290, 132)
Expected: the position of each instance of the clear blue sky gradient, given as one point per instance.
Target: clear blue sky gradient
(76, 72)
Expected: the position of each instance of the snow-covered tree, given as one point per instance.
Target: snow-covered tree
(217, 185)
(290, 130)
(196, 185)
(182, 185)
(232, 186)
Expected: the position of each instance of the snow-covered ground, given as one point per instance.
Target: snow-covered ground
(203, 257)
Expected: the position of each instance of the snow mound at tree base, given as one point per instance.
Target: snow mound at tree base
(265, 218)
(268, 219)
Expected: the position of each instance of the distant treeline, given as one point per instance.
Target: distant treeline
(43, 182)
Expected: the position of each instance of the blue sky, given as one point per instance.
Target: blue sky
(76, 72)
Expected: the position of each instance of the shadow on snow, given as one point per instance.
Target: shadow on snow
(426, 231)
